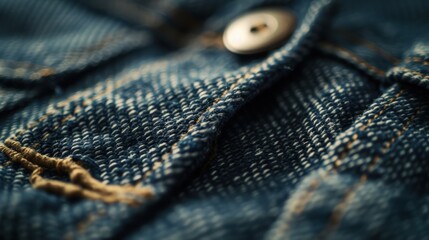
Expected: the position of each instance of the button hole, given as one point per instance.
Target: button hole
(258, 28)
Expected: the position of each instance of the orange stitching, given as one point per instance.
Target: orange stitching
(299, 208)
(100, 88)
(111, 86)
(340, 208)
(407, 70)
(158, 164)
(45, 71)
(417, 60)
(372, 46)
(61, 189)
(354, 57)
(108, 40)
(389, 144)
(61, 104)
(107, 89)
(82, 184)
(85, 223)
(21, 63)
(20, 71)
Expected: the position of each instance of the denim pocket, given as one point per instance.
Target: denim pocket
(150, 125)
(44, 42)
(154, 123)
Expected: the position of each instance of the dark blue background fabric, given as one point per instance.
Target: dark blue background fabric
(324, 137)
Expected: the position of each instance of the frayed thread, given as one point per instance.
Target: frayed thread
(81, 185)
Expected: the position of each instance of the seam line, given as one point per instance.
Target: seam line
(44, 70)
(240, 78)
(81, 185)
(339, 210)
(298, 209)
(417, 60)
(375, 48)
(407, 70)
(352, 56)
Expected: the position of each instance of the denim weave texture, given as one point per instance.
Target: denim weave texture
(127, 119)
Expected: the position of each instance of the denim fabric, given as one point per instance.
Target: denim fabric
(323, 137)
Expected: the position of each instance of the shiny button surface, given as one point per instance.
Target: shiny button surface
(259, 31)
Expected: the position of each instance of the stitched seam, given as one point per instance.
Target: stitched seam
(372, 46)
(92, 217)
(22, 64)
(83, 224)
(62, 188)
(407, 70)
(45, 71)
(298, 209)
(417, 60)
(78, 108)
(22, 72)
(63, 104)
(81, 185)
(340, 208)
(101, 89)
(353, 57)
(240, 78)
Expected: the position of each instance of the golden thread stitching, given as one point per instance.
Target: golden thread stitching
(20, 72)
(417, 60)
(62, 104)
(305, 199)
(339, 209)
(93, 217)
(240, 78)
(85, 223)
(64, 188)
(99, 88)
(111, 86)
(45, 71)
(21, 64)
(364, 127)
(78, 108)
(371, 46)
(354, 58)
(407, 70)
(82, 185)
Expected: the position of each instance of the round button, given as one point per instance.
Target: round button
(258, 31)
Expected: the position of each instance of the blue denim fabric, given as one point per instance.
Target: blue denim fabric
(324, 137)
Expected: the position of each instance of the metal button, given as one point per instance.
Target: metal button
(258, 31)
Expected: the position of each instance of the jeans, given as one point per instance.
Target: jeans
(130, 120)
